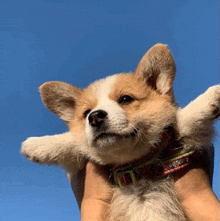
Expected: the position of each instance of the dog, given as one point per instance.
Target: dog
(131, 122)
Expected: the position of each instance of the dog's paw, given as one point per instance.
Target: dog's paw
(213, 98)
(33, 149)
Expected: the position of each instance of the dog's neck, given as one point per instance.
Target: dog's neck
(169, 160)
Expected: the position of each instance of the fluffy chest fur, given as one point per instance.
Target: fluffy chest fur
(120, 119)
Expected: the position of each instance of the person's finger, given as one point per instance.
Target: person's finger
(77, 181)
(97, 184)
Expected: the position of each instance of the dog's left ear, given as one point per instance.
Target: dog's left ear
(61, 98)
(157, 68)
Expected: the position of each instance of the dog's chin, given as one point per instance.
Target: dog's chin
(105, 140)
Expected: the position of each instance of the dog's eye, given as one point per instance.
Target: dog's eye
(86, 113)
(125, 99)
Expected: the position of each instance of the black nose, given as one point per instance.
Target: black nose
(96, 118)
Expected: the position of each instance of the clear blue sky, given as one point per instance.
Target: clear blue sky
(78, 41)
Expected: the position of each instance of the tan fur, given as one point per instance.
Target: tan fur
(157, 67)
(128, 132)
(60, 97)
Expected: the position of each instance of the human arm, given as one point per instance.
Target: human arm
(196, 196)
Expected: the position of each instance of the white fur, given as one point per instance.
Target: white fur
(116, 116)
(144, 203)
(197, 118)
(53, 149)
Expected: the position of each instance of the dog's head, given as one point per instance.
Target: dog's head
(120, 118)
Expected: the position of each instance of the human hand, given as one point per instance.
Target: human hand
(196, 196)
(194, 190)
(93, 192)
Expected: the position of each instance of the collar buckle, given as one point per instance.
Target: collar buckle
(125, 178)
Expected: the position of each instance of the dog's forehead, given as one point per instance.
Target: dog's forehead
(112, 87)
(104, 87)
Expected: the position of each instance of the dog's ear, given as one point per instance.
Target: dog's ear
(60, 98)
(157, 68)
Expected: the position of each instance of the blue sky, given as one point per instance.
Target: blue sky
(77, 42)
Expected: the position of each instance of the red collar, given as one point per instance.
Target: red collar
(127, 175)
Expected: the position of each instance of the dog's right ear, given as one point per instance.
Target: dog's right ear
(157, 69)
(60, 98)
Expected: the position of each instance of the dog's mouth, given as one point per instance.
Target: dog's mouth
(106, 135)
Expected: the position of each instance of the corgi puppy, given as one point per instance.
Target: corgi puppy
(131, 122)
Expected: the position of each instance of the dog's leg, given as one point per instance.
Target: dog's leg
(195, 121)
(57, 149)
